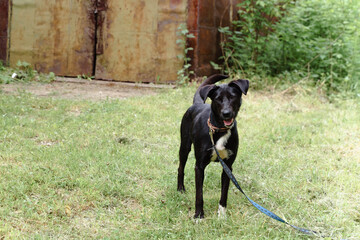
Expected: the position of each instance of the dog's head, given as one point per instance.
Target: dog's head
(226, 99)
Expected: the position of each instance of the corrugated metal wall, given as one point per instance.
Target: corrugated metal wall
(134, 40)
(124, 40)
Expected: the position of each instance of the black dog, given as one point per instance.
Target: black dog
(219, 117)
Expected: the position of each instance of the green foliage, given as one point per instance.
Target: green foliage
(317, 36)
(24, 73)
(86, 77)
(185, 72)
(316, 39)
(246, 44)
(5, 76)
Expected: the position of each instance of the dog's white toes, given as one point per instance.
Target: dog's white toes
(222, 212)
(198, 220)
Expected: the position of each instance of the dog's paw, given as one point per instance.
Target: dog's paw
(198, 220)
(199, 215)
(181, 189)
(221, 212)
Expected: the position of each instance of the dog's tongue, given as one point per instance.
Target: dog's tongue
(228, 122)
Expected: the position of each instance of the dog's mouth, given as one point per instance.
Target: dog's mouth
(228, 122)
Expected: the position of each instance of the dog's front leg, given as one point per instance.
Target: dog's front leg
(225, 182)
(199, 182)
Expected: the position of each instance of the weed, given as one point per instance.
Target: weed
(5, 75)
(24, 73)
(86, 77)
(184, 73)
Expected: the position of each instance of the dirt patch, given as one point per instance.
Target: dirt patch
(68, 88)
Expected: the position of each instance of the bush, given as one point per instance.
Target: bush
(317, 39)
(23, 72)
(5, 76)
(244, 45)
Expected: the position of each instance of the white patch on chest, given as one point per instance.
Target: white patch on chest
(220, 147)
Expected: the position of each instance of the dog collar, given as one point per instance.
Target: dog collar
(214, 129)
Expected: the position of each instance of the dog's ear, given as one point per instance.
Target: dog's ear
(207, 91)
(241, 84)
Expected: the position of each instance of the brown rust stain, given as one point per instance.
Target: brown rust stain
(4, 13)
(98, 20)
(175, 3)
(59, 38)
(138, 14)
(204, 18)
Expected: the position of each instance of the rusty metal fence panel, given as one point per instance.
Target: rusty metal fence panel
(54, 36)
(138, 40)
(126, 40)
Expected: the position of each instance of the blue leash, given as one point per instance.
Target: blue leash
(259, 207)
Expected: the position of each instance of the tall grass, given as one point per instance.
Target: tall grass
(82, 169)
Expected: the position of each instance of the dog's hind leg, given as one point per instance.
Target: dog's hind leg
(185, 148)
(199, 201)
(183, 156)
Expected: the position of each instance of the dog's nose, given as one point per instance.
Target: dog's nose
(226, 113)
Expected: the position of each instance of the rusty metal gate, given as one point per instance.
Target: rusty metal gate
(125, 40)
(54, 36)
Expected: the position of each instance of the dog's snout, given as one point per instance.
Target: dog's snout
(226, 113)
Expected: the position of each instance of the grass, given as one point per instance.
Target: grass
(107, 169)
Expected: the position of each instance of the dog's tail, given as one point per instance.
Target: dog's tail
(210, 80)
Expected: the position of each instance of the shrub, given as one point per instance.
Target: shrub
(245, 44)
(317, 39)
(23, 72)
(183, 74)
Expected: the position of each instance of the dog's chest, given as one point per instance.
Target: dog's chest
(220, 147)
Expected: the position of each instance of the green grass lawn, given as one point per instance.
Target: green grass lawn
(108, 169)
